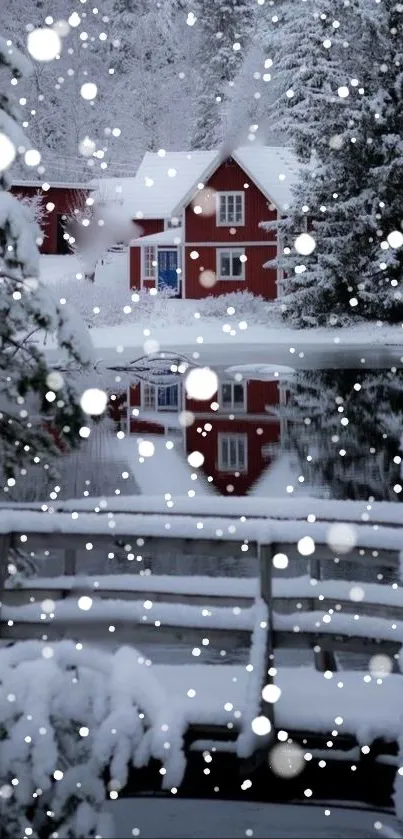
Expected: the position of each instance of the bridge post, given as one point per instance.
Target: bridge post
(266, 575)
(5, 544)
(324, 659)
(69, 562)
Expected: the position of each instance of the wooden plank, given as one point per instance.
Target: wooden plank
(127, 632)
(17, 597)
(287, 639)
(197, 546)
(387, 558)
(5, 545)
(287, 604)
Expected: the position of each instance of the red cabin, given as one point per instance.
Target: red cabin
(201, 217)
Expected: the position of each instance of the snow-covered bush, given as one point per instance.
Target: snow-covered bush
(245, 303)
(69, 716)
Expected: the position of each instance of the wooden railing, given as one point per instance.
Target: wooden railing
(300, 606)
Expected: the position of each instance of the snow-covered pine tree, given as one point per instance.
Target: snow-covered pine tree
(153, 64)
(37, 406)
(329, 60)
(224, 31)
(67, 718)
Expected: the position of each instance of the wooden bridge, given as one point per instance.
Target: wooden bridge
(301, 651)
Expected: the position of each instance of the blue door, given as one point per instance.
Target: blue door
(167, 269)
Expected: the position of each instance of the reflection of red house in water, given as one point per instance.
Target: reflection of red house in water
(234, 431)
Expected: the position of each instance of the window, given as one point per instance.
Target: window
(232, 452)
(160, 397)
(172, 223)
(230, 209)
(149, 263)
(231, 263)
(167, 397)
(148, 397)
(232, 396)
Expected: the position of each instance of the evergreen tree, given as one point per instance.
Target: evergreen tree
(224, 31)
(152, 63)
(346, 428)
(341, 108)
(37, 407)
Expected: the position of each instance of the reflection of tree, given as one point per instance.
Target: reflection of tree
(346, 426)
(94, 470)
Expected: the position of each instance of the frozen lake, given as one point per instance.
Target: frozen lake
(200, 819)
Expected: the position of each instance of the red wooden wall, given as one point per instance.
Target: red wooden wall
(259, 433)
(229, 177)
(202, 228)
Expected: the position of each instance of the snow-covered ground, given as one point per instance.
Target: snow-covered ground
(254, 332)
(165, 471)
(180, 819)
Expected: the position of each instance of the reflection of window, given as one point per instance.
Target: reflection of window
(167, 397)
(230, 208)
(149, 262)
(231, 263)
(160, 397)
(232, 396)
(232, 452)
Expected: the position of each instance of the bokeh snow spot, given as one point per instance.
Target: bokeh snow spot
(395, 239)
(261, 726)
(89, 91)
(280, 561)
(380, 665)
(55, 380)
(286, 760)
(306, 546)
(196, 459)
(44, 44)
(305, 244)
(201, 383)
(84, 603)
(341, 538)
(146, 448)
(271, 693)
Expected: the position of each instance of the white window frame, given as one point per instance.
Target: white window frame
(224, 196)
(228, 438)
(232, 251)
(146, 262)
(232, 407)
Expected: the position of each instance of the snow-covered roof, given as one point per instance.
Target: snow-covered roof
(164, 184)
(160, 184)
(166, 237)
(274, 169)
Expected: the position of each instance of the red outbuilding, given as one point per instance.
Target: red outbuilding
(56, 203)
